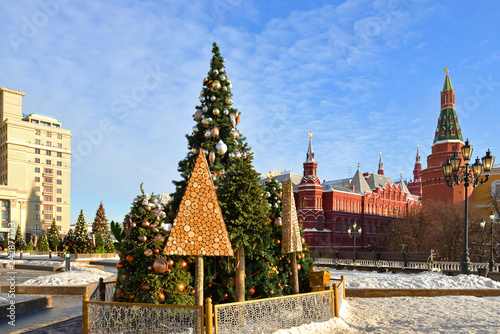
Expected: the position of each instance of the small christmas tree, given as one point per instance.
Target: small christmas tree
(99, 242)
(146, 274)
(100, 224)
(43, 245)
(108, 244)
(19, 240)
(80, 241)
(53, 237)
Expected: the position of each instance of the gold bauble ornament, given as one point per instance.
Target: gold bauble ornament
(160, 266)
(161, 296)
(148, 252)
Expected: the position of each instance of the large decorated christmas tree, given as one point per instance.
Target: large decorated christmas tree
(100, 224)
(146, 273)
(79, 241)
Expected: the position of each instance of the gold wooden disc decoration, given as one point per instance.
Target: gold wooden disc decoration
(199, 228)
(291, 239)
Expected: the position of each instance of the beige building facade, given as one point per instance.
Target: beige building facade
(35, 169)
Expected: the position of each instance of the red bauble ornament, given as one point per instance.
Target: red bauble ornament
(182, 287)
(161, 296)
(133, 225)
(209, 285)
(175, 279)
(251, 292)
(112, 300)
(143, 238)
(278, 241)
(193, 291)
(120, 293)
(299, 266)
(169, 270)
(145, 224)
(170, 262)
(131, 297)
(299, 257)
(184, 264)
(124, 276)
(145, 287)
(129, 258)
(150, 268)
(227, 286)
(156, 251)
(120, 265)
(225, 295)
(271, 216)
(160, 266)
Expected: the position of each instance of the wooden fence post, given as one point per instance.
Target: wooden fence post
(85, 314)
(102, 290)
(343, 286)
(209, 324)
(336, 300)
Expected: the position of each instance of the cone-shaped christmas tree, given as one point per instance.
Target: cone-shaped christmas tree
(43, 245)
(100, 224)
(53, 237)
(146, 273)
(79, 241)
(19, 240)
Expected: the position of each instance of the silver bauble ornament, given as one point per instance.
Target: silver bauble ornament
(221, 147)
(276, 205)
(208, 134)
(268, 194)
(202, 99)
(224, 88)
(216, 72)
(230, 86)
(179, 168)
(209, 119)
(211, 157)
(195, 128)
(222, 77)
(231, 155)
(229, 101)
(197, 115)
(226, 112)
(217, 84)
(233, 120)
(204, 109)
(216, 112)
(234, 133)
(212, 98)
(237, 154)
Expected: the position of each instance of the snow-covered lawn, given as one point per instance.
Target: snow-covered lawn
(80, 274)
(355, 279)
(450, 314)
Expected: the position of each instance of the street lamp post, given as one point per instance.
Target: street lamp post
(455, 174)
(482, 223)
(354, 232)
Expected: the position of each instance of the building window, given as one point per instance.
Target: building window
(37, 141)
(5, 204)
(37, 226)
(47, 189)
(37, 188)
(49, 134)
(37, 170)
(59, 145)
(59, 136)
(59, 172)
(59, 154)
(37, 207)
(47, 198)
(59, 209)
(47, 217)
(59, 200)
(37, 132)
(47, 170)
(37, 198)
(48, 162)
(47, 179)
(59, 181)
(47, 207)
(59, 164)
(37, 150)
(48, 152)
(37, 160)
(59, 218)
(37, 179)
(37, 216)
(59, 191)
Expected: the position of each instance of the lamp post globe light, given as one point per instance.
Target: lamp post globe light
(455, 174)
(482, 223)
(354, 232)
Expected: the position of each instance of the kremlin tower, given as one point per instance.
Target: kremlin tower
(415, 186)
(310, 194)
(447, 140)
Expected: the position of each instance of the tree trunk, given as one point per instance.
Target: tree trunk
(239, 290)
(198, 280)
(295, 273)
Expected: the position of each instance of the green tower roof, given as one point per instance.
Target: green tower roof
(448, 129)
(447, 82)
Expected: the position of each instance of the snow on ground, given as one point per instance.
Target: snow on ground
(449, 314)
(80, 274)
(355, 279)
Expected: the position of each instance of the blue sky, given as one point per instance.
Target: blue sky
(363, 76)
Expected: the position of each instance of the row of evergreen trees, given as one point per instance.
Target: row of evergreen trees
(78, 240)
